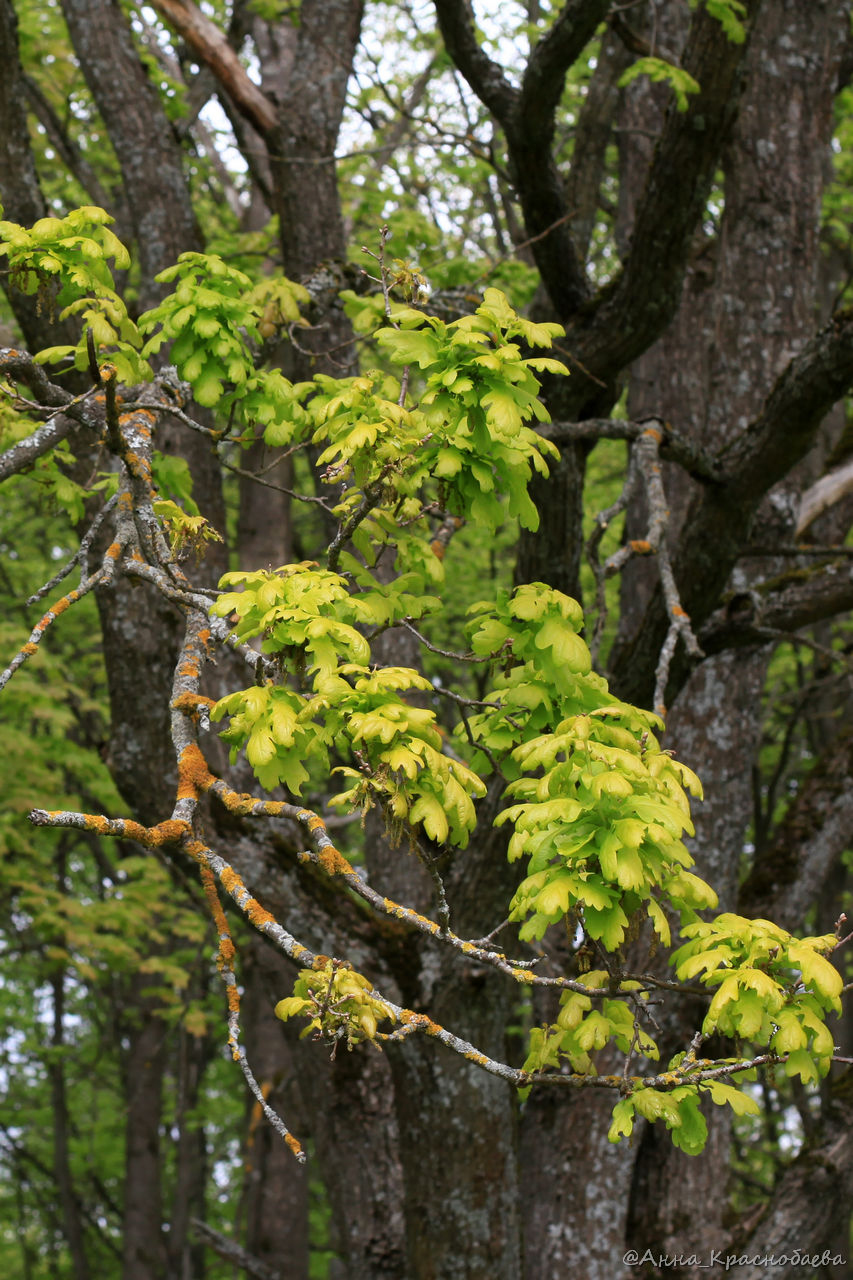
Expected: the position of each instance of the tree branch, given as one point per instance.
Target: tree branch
(486, 78)
(234, 1253)
(786, 603)
(593, 133)
(717, 527)
(674, 446)
(527, 118)
(551, 57)
(210, 44)
(823, 494)
(636, 307)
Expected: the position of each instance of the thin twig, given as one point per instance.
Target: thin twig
(279, 488)
(80, 555)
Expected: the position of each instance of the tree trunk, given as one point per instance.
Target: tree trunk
(143, 1247)
(276, 1194)
(710, 376)
(20, 192)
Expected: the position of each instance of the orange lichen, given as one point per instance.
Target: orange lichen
(294, 1144)
(189, 669)
(197, 850)
(61, 606)
(640, 546)
(29, 648)
(193, 773)
(656, 435)
(113, 551)
(94, 822)
(334, 863)
(166, 832)
(231, 882)
(411, 1019)
(239, 804)
(256, 913)
(315, 823)
(190, 702)
(422, 920)
(678, 612)
(134, 831)
(320, 962)
(208, 881)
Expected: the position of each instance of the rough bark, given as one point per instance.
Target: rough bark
(20, 193)
(276, 1187)
(152, 175)
(574, 1187)
(756, 314)
(458, 1126)
(813, 1195)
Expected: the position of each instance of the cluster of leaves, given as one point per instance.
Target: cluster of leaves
(306, 616)
(728, 13)
(769, 988)
(602, 824)
(211, 318)
(679, 1109)
(660, 71)
(65, 262)
(338, 1002)
(479, 393)
(468, 432)
(580, 1029)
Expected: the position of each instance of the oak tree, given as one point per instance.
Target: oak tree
(411, 597)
